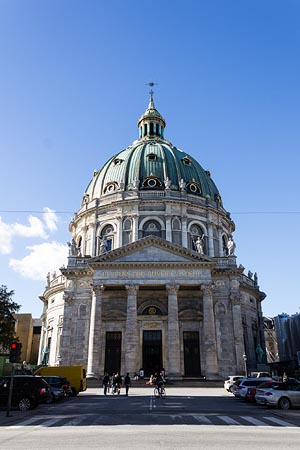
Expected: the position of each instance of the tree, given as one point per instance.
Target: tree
(7, 321)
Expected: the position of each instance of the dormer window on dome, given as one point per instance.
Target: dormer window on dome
(152, 183)
(118, 161)
(152, 157)
(186, 161)
(111, 187)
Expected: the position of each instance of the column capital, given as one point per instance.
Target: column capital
(172, 288)
(207, 288)
(98, 288)
(69, 298)
(235, 298)
(132, 288)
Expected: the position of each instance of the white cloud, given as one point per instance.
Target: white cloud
(36, 228)
(50, 219)
(42, 258)
(5, 238)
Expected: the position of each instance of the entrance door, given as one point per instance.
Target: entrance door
(191, 354)
(113, 352)
(152, 352)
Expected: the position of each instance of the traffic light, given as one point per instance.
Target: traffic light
(15, 352)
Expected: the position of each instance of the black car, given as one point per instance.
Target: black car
(28, 391)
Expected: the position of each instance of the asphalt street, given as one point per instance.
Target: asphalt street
(186, 418)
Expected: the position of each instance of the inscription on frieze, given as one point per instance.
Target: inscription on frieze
(152, 274)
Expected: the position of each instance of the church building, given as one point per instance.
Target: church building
(152, 280)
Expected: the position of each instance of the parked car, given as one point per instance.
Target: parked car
(230, 380)
(260, 375)
(245, 388)
(282, 395)
(59, 383)
(56, 393)
(28, 391)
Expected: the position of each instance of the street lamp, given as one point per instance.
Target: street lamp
(245, 363)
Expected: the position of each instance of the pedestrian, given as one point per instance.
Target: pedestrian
(118, 383)
(105, 383)
(127, 382)
(113, 384)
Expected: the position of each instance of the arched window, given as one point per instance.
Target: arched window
(224, 245)
(107, 233)
(151, 227)
(127, 231)
(176, 231)
(195, 233)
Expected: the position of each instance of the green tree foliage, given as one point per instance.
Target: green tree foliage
(7, 322)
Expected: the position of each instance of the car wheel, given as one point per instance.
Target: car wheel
(231, 389)
(284, 403)
(24, 404)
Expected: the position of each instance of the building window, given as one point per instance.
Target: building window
(151, 227)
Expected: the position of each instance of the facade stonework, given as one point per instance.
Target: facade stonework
(152, 280)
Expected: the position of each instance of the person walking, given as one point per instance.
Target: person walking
(105, 383)
(127, 382)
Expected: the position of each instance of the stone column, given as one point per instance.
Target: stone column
(211, 251)
(135, 228)
(131, 332)
(184, 231)
(220, 243)
(93, 239)
(168, 229)
(119, 232)
(95, 344)
(173, 333)
(209, 333)
(238, 332)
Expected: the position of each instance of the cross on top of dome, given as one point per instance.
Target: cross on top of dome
(151, 124)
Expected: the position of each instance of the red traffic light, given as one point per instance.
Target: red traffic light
(13, 345)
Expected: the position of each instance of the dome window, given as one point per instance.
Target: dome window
(118, 161)
(152, 183)
(186, 161)
(152, 157)
(111, 187)
(193, 188)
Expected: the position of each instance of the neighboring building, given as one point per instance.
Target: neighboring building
(24, 329)
(152, 280)
(288, 336)
(271, 340)
(28, 332)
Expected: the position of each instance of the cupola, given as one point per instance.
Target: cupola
(151, 124)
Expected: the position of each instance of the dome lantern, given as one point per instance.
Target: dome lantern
(151, 124)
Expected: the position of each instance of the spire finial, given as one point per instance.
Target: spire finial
(151, 92)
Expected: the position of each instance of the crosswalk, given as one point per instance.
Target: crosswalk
(48, 421)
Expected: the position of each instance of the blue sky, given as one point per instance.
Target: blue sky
(72, 86)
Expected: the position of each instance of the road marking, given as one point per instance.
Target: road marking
(279, 422)
(176, 417)
(229, 420)
(50, 422)
(26, 422)
(74, 421)
(203, 419)
(253, 421)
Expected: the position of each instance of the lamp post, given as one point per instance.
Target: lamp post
(245, 363)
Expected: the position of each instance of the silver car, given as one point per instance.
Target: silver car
(282, 395)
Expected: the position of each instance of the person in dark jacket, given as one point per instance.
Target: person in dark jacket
(105, 383)
(127, 382)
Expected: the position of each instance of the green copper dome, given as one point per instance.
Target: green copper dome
(152, 163)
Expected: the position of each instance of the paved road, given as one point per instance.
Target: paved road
(186, 418)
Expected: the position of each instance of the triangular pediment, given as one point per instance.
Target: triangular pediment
(151, 249)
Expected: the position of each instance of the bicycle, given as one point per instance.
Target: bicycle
(159, 391)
